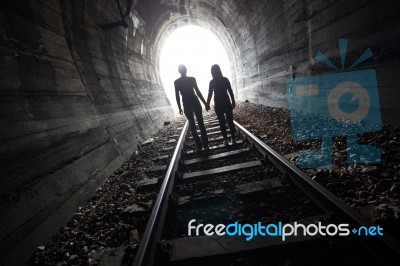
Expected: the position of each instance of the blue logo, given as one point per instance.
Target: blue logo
(340, 104)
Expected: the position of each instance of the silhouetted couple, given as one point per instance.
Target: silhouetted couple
(220, 87)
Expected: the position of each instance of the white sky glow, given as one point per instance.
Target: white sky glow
(198, 49)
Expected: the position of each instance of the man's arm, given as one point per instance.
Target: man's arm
(198, 92)
(178, 99)
(231, 94)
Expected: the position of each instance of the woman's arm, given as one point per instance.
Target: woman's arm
(231, 94)
(210, 93)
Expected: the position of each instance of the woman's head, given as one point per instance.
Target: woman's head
(216, 71)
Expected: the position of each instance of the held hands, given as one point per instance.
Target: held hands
(207, 107)
(180, 112)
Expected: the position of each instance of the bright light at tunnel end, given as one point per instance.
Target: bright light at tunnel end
(198, 49)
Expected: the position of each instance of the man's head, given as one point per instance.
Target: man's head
(182, 70)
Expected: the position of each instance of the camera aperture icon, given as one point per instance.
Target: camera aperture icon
(349, 101)
(339, 104)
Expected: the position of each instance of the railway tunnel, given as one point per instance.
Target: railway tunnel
(81, 88)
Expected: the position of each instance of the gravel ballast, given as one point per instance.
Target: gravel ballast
(374, 190)
(119, 207)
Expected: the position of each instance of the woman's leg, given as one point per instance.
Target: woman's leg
(229, 119)
(221, 119)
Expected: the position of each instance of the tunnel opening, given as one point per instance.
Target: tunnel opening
(198, 49)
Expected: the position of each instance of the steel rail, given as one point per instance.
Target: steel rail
(152, 234)
(389, 246)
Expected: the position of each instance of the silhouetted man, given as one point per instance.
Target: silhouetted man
(221, 87)
(191, 105)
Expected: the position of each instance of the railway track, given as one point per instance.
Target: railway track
(249, 183)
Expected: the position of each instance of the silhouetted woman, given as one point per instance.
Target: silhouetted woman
(221, 86)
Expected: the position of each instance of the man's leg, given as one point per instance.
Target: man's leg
(200, 122)
(221, 119)
(229, 119)
(192, 125)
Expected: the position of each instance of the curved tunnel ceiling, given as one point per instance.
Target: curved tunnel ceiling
(215, 16)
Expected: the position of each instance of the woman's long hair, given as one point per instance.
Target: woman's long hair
(216, 71)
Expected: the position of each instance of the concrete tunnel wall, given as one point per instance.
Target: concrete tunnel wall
(76, 100)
